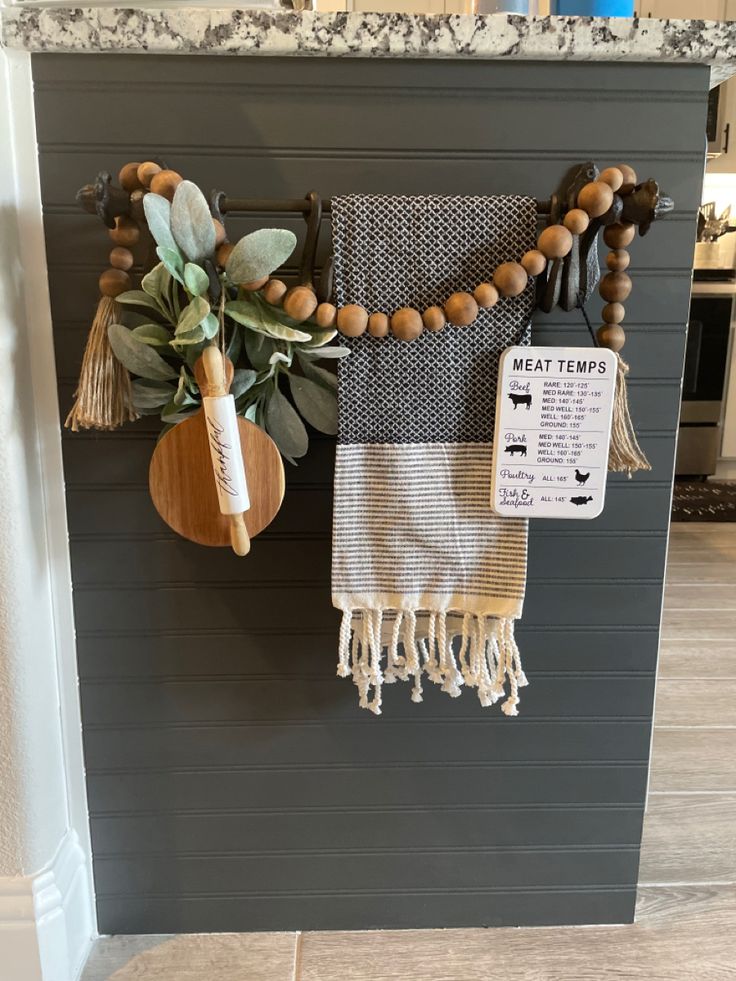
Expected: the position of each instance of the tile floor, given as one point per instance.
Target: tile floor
(686, 925)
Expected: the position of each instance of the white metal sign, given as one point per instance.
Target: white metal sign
(553, 427)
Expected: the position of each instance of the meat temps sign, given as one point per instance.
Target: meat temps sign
(553, 426)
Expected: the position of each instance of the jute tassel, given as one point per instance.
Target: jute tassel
(103, 399)
(624, 454)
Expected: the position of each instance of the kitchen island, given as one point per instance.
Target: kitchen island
(229, 793)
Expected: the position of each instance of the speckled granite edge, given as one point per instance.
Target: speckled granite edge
(195, 30)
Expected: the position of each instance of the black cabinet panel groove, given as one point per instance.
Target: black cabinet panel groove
(233, 782)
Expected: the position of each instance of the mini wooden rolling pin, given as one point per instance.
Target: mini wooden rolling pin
(225, 449)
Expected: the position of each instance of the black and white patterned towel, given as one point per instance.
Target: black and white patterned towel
(429, 579)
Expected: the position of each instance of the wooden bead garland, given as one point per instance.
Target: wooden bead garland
(576, 221)
(352, 320)
(406, 324)
(378, 325)
(510, 278)
(534, 261)
(595, 200)
(485, 295)
(555, 241)
(165, 183)
(326, 316)
(461, 309)
(299, 303)
(433, 318)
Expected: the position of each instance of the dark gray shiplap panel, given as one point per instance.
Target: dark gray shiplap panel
(233, 783)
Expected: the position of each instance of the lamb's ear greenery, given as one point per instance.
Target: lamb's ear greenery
(259, 254)
(177, 311)
(191, 223)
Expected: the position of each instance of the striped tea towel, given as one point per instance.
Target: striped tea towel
(429, 580)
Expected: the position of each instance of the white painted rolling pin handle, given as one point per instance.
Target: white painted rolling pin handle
(227, 457)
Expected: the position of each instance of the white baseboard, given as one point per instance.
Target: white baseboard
(46, 926)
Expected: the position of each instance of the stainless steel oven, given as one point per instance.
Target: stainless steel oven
(703, 385)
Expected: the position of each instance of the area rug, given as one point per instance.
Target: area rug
(706, 500)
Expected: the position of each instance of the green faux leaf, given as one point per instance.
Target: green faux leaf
(149, 394)
(210, 326)
(156, 282)
(193, 352)
(192, 315)
(196, 279)
(171, 415)
(158, 216)
(259, 349)
(284, 425)
(258, 254)
(191, 223)
(194, 336)
(250, 314)
(317, 404)
(320, 337)
(251, 413)
(320, 375)
(173, 262)
(137, 357)
(243, 379)
(235, 344)
(137, 298)
(316, 354)
(154, 334)
(183, 397)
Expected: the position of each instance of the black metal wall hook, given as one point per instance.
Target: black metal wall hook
(313, 218)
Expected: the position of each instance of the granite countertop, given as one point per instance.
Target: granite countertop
(195, 30)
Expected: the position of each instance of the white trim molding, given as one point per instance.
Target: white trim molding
(45, 924)
(47, 916)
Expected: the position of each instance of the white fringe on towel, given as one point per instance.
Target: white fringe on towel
(487, 656)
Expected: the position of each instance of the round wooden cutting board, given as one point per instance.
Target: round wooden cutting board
(182, 483)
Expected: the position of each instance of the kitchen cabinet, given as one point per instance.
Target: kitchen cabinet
(683, 9)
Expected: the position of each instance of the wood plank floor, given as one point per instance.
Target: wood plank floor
(686, 913)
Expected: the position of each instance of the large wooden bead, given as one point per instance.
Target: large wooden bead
(165, 183)
(378, 325)
(274, 291)
(510, 278)
(534, 261)
(255, 284)
(613, 313)
(299, 303)
(352, 320)
(406, 324)
(326, 316)
(433, 319)
(615, 287)
(611, 336)
(485, 295)
(223, 254)
(147, 171)
(121, 258)
(595, 198)
(612, 176)
(125, 232)
(576, 221)
(619, 235)
(618, 260)
(555, 242)
(113, 282)
(128, 177)
(629, 174)
(461, 309)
